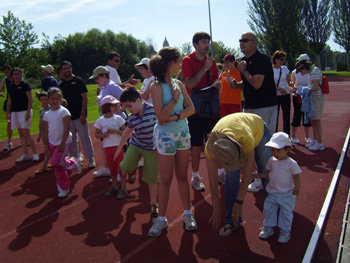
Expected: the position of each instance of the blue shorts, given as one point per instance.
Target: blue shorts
(167, 143)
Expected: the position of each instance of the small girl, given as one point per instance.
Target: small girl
(281, 191)
(110, 127)
(57, 139)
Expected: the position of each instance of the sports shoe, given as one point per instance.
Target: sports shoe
(123, 193)
(8, 146)
(23, 158)
(157, 227)
(284, 237)
(81, 158)
(190, 222)
(41, 170)
(222, 178)
(103, 171)
(308, 139)
(255, 186)
(311, 143)
(294, 140)
(63, 193)
(36, 157)
(79, 168)
(92, 163)
(197, 184)
(266, 232)
(317, 147)
(112, 192)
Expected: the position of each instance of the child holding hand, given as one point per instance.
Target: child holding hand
(281, 169)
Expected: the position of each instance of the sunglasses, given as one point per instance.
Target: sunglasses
(245, 40)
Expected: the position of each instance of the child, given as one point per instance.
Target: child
(109, 127)
(281, 191)
(42, 96)
(141, 123)
(57, 139)
(172, 105)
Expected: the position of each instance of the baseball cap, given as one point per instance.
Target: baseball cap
(229, 57)
(143, 61)
(109, 99)
(279, 140)
(303, 56)
(48, 68)
(99, 70)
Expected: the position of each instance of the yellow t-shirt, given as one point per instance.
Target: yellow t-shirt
(245, 128)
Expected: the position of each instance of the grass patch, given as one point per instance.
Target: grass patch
(336, 73)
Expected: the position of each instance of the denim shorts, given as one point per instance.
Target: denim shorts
(167, 143)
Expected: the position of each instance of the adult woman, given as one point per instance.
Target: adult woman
(305, 67)
(20, 105)
(172, 106)
(282, 78)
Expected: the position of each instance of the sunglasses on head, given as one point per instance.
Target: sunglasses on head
(245, 40)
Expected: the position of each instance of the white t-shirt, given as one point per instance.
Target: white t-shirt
(144, 87)
(113, 75)
(281, 175)
(54, 120)
(114, 122)
(300, 80)
(283, 80)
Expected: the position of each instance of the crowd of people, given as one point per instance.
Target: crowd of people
(160, 127)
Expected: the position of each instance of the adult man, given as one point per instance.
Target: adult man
(258, 87)
(146, 73)
(48, 81)
(113, 62)
(199, 71)
(7, 82)
(74, 91)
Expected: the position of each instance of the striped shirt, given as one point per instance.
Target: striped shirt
(143, 127)
(315, 74)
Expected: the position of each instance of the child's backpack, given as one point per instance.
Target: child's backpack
(324, 86)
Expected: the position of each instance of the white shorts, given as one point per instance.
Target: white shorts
(18, 120)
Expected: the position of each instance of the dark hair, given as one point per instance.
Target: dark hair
(130, 94)
(303, 64)
(65, 62)
(159, 63)
(16, 69)
(6, 66)
(278, 54)
(106, 108)
(199, 36)
(112, 55)
(42, 94)
(53, 91)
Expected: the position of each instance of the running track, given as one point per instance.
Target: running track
(36, 226)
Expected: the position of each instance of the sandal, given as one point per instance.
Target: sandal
(41, 170)
(154, 210)
(132, 177)
(227, 230)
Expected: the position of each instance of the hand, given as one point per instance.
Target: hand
(295, 191)
(176, 92)
(236, 212)
(8, 117)
(27, 116)
(215, 218)
(82, 119)
(216, 84)
(208, 63)
(242, 65)
(105, 135)
(255, 175)
(133, 81)
(283, 92)
(116, 154)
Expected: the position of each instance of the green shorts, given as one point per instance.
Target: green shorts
(150, 163)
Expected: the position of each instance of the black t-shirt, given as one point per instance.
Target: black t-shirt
(72, 91)
(18, 95)
(265, 96)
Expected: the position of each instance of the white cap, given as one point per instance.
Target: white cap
(143, 61)
(279, 140)
(48, 68)
(303, 56)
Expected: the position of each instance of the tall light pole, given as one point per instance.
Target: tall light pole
(211, 34)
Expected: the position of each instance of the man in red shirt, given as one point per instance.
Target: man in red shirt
(199, 71)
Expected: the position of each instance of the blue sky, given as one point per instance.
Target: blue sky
(145, 20)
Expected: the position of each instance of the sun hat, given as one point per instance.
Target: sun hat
(143, 61)
(229, 57)
(303, 56)
(109, 99)
(279, 140)
(301, 64)
(48, 68)
(99, 70)
(223, 148)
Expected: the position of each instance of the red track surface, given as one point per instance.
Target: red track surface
(36, 226)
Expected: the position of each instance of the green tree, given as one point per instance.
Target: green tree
(16, 38)
(186, 49)
(317, 24)
(341, 25)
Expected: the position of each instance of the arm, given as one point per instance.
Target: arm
(316, 85)
(263, 175)
(66, 124)
(162, 111)
(83, 109)
(8, 109)
(30, 103)
(130, 82)
(125, 136)
(296, 178)
(254, 80)
(118, 132)
(147, 92)
(45, 137)
(100, 135)
(192, 82)
(2, 86)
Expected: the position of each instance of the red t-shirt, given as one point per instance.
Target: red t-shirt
(191, 65)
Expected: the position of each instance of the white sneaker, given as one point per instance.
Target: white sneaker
(92, 163)
(317, 147)
(197, 184)
(190, 222)
(255, 186)
(23, 158)
(63, 193)
(266, 232)
(81, 158)
(295, 140)
(284, 237)
(308, 145)
(8, 146)
(308, 139)
(36, 157)
(157, 227)
(103, 171)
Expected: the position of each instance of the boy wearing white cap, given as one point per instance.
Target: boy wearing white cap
(281, 191)
(146, 73)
